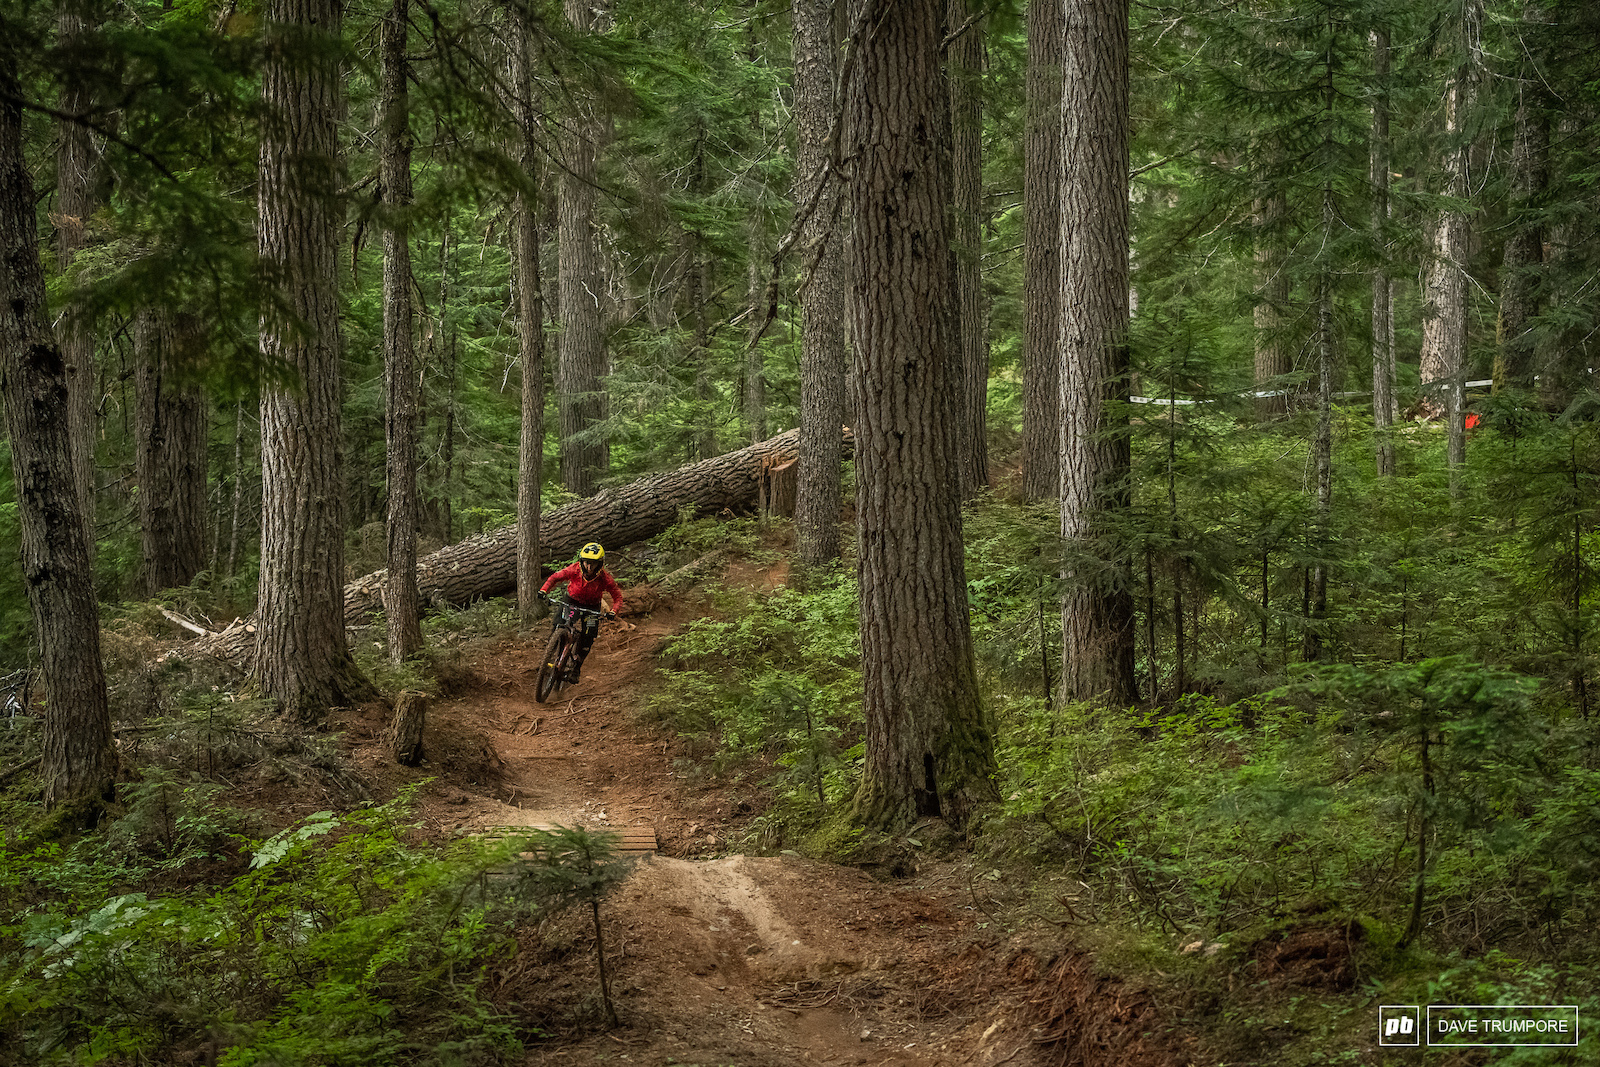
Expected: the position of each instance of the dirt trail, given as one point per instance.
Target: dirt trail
(717, 959)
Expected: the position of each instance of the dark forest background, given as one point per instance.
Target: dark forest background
(1279, 605)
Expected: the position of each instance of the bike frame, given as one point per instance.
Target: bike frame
(563, 639)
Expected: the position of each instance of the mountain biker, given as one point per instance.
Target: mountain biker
(586, 580)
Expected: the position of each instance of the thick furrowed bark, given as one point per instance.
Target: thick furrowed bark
(1097, 617)
(929, 751)
(302, 660)
(1041, 214)
(79, 762)
(824, 351)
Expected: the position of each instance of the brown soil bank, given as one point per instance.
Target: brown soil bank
(722, 958)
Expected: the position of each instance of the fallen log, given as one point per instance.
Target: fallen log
(486, 565)
(179, 620)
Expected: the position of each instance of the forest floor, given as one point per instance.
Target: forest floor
(720, 958)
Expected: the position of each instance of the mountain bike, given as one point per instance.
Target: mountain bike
(562, 651)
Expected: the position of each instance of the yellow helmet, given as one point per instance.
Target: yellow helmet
(593, 551)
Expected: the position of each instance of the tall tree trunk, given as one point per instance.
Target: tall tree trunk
(1385, 405)
(435, 476)
(698, 288)
(530, 327)
(1041, 255)
(818, 493)
(399, 347)
(1322, 440)
(80, 759)
(170, 428)
(929, 746)
(1175, 532)
(237, 502)
(302, 660)
(581, 357)
(214, 507)
(704, 391)
(1097, 615)
(77, 166)
(1564, 350)
(1524, 250)
(447, 439)
(1444, 295)
(1322, 455)
(755, 369)
(445, 337)
(1272, 360)
(966, 61)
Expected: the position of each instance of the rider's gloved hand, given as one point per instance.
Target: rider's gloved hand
(611, 614)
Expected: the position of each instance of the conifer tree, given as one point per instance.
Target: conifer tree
(77, 174)
(822, 326)
(1272, 360)
(1041, 251)
(170, 424)
(1266, 157)
(1322, 436)
(1385, 406)
(302, 659)
(929, 749)
(80, 758)
(402, 606)
(755, 364)
(1097, 614)
(1523, 257)
(697, 289)
(1565, 330)
(530, 319)
(755, 382)
(965, 56)
(1444, 296)
(581, 353)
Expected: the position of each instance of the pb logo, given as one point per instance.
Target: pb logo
(1398, 1025)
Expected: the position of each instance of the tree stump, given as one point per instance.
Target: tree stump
(779, 483)
(405, 735)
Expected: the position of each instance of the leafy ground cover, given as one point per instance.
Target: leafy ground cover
(1205, 880)
(1273, 867)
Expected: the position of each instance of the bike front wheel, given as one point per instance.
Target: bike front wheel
(553, 670)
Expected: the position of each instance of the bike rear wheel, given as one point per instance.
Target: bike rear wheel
(553, 671)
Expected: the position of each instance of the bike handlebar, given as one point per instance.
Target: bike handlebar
(585, 609)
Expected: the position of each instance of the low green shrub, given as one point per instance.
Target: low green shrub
(1221, 819)
(780, 681)
(345, 944)
(690, 538)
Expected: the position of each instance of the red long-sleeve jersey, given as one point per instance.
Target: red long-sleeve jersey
(581, 590)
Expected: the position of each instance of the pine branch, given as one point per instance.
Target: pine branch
(92, 126)
(968, 25)
(832, 168)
